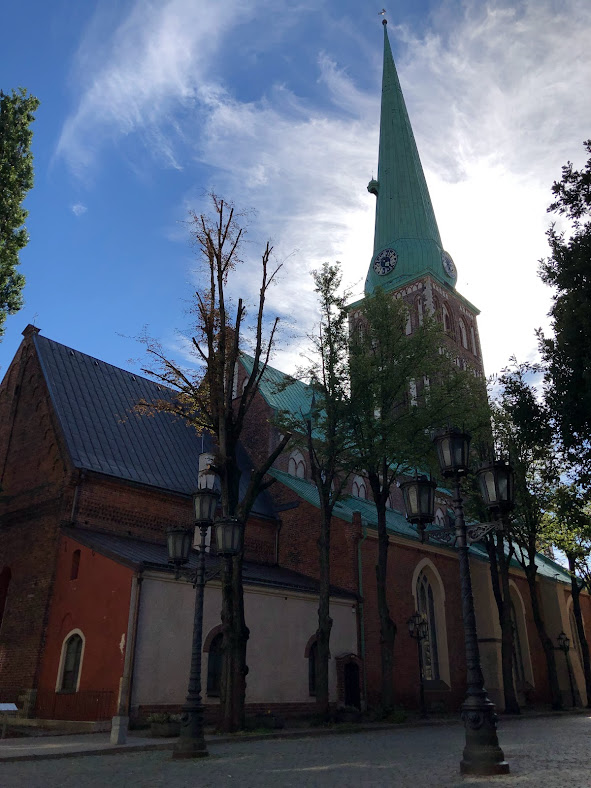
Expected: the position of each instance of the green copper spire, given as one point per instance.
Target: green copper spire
(406, 242)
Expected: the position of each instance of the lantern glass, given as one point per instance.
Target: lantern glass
(496, 485)
(419, 499)
(179, 541)
(453, 451)
(205, 502)
(228, 533)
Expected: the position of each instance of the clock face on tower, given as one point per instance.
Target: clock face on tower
(385, 262)
(448, 264)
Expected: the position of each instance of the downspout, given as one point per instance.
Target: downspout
(121, 720)
(361, 605)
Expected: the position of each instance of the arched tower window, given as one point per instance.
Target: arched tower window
(419, 306)
(214, 666)
(297, 465)
(359, 490)
(446, 318)
(426, 606)
(473, 341)
(408, 327)
(463, 334)
(70, 663)
(5, 578)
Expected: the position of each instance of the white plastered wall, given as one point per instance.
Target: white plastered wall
(280, 623)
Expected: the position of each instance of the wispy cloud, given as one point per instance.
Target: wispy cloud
(78, 209)
(498, 98)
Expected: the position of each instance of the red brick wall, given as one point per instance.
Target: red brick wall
(97, 603)
(35, 496)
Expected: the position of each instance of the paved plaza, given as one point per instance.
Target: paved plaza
(548, 752)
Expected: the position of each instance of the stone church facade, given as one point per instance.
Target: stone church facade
(92, 619)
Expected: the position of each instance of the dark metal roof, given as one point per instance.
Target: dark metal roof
(151, 555)
(95, 403)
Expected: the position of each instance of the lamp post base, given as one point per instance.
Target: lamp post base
(482, 753)
(190, 748)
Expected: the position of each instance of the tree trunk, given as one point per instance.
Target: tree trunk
(545, 640)
(227, 680)
(324, 619)
(499, 573)
(387, 626)
(240, 635)
(507, 635)
(576, 591)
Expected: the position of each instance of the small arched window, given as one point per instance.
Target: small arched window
(408, 327)
(297, 465)
(426, 606)
(463, 334)
(75, 565)
(419, 306)
(473, 341)
(5, 578)
(358, 489)
(446, 318)
(70, 664)
(214, 666)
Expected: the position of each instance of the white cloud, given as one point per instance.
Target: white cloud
(78, 209)
(498, 97)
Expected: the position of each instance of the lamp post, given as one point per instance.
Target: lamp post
(418, 628)
(191, 742)
(482, 754)
(564, 646)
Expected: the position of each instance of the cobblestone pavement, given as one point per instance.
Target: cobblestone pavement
(548, 752)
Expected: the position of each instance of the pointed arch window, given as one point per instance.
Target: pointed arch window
(70, 663)
(359, 490)
(473, 341)
(463, 334)
(297, 465)
(446, 319)
(408, 327)
(214, 666)
(426, 606)
(419, 306)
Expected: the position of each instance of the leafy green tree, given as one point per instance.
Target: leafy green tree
(16, 178)
(402, 387)
(323, 431)
(524, 433)
(568, 525)
(568, 353)
(208, 400)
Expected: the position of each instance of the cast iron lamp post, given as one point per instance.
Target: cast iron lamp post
(191, 742)
(564, 646)
(482, 753)
(418, 628)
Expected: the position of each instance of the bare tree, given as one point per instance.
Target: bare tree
(208, 399)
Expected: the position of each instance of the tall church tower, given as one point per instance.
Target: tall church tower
(408, 257)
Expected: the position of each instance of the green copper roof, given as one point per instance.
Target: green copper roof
(405, 220)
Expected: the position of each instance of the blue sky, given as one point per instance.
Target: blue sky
(145, 106)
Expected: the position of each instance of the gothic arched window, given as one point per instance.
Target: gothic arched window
(69, 677)
(297, 465)
(419, 305)
(426, 606)
(359, 490)
(214, 666)
(473, 341)
(463, 334)
(446, 318)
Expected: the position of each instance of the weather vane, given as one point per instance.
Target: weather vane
(383, 13)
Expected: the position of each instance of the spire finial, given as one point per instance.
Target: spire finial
(382, 13)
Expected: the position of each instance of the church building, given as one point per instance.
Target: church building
(93, 621)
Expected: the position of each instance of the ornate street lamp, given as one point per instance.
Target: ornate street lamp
(191, 742)
(418, 629)
(564, 646)
(482, 753)
(497, 486)
(228, 535)
(419, 501)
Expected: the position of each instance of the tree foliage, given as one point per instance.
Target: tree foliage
(568, 353)
(16, 179)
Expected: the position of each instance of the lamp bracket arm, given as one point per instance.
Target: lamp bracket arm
(476, 532)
